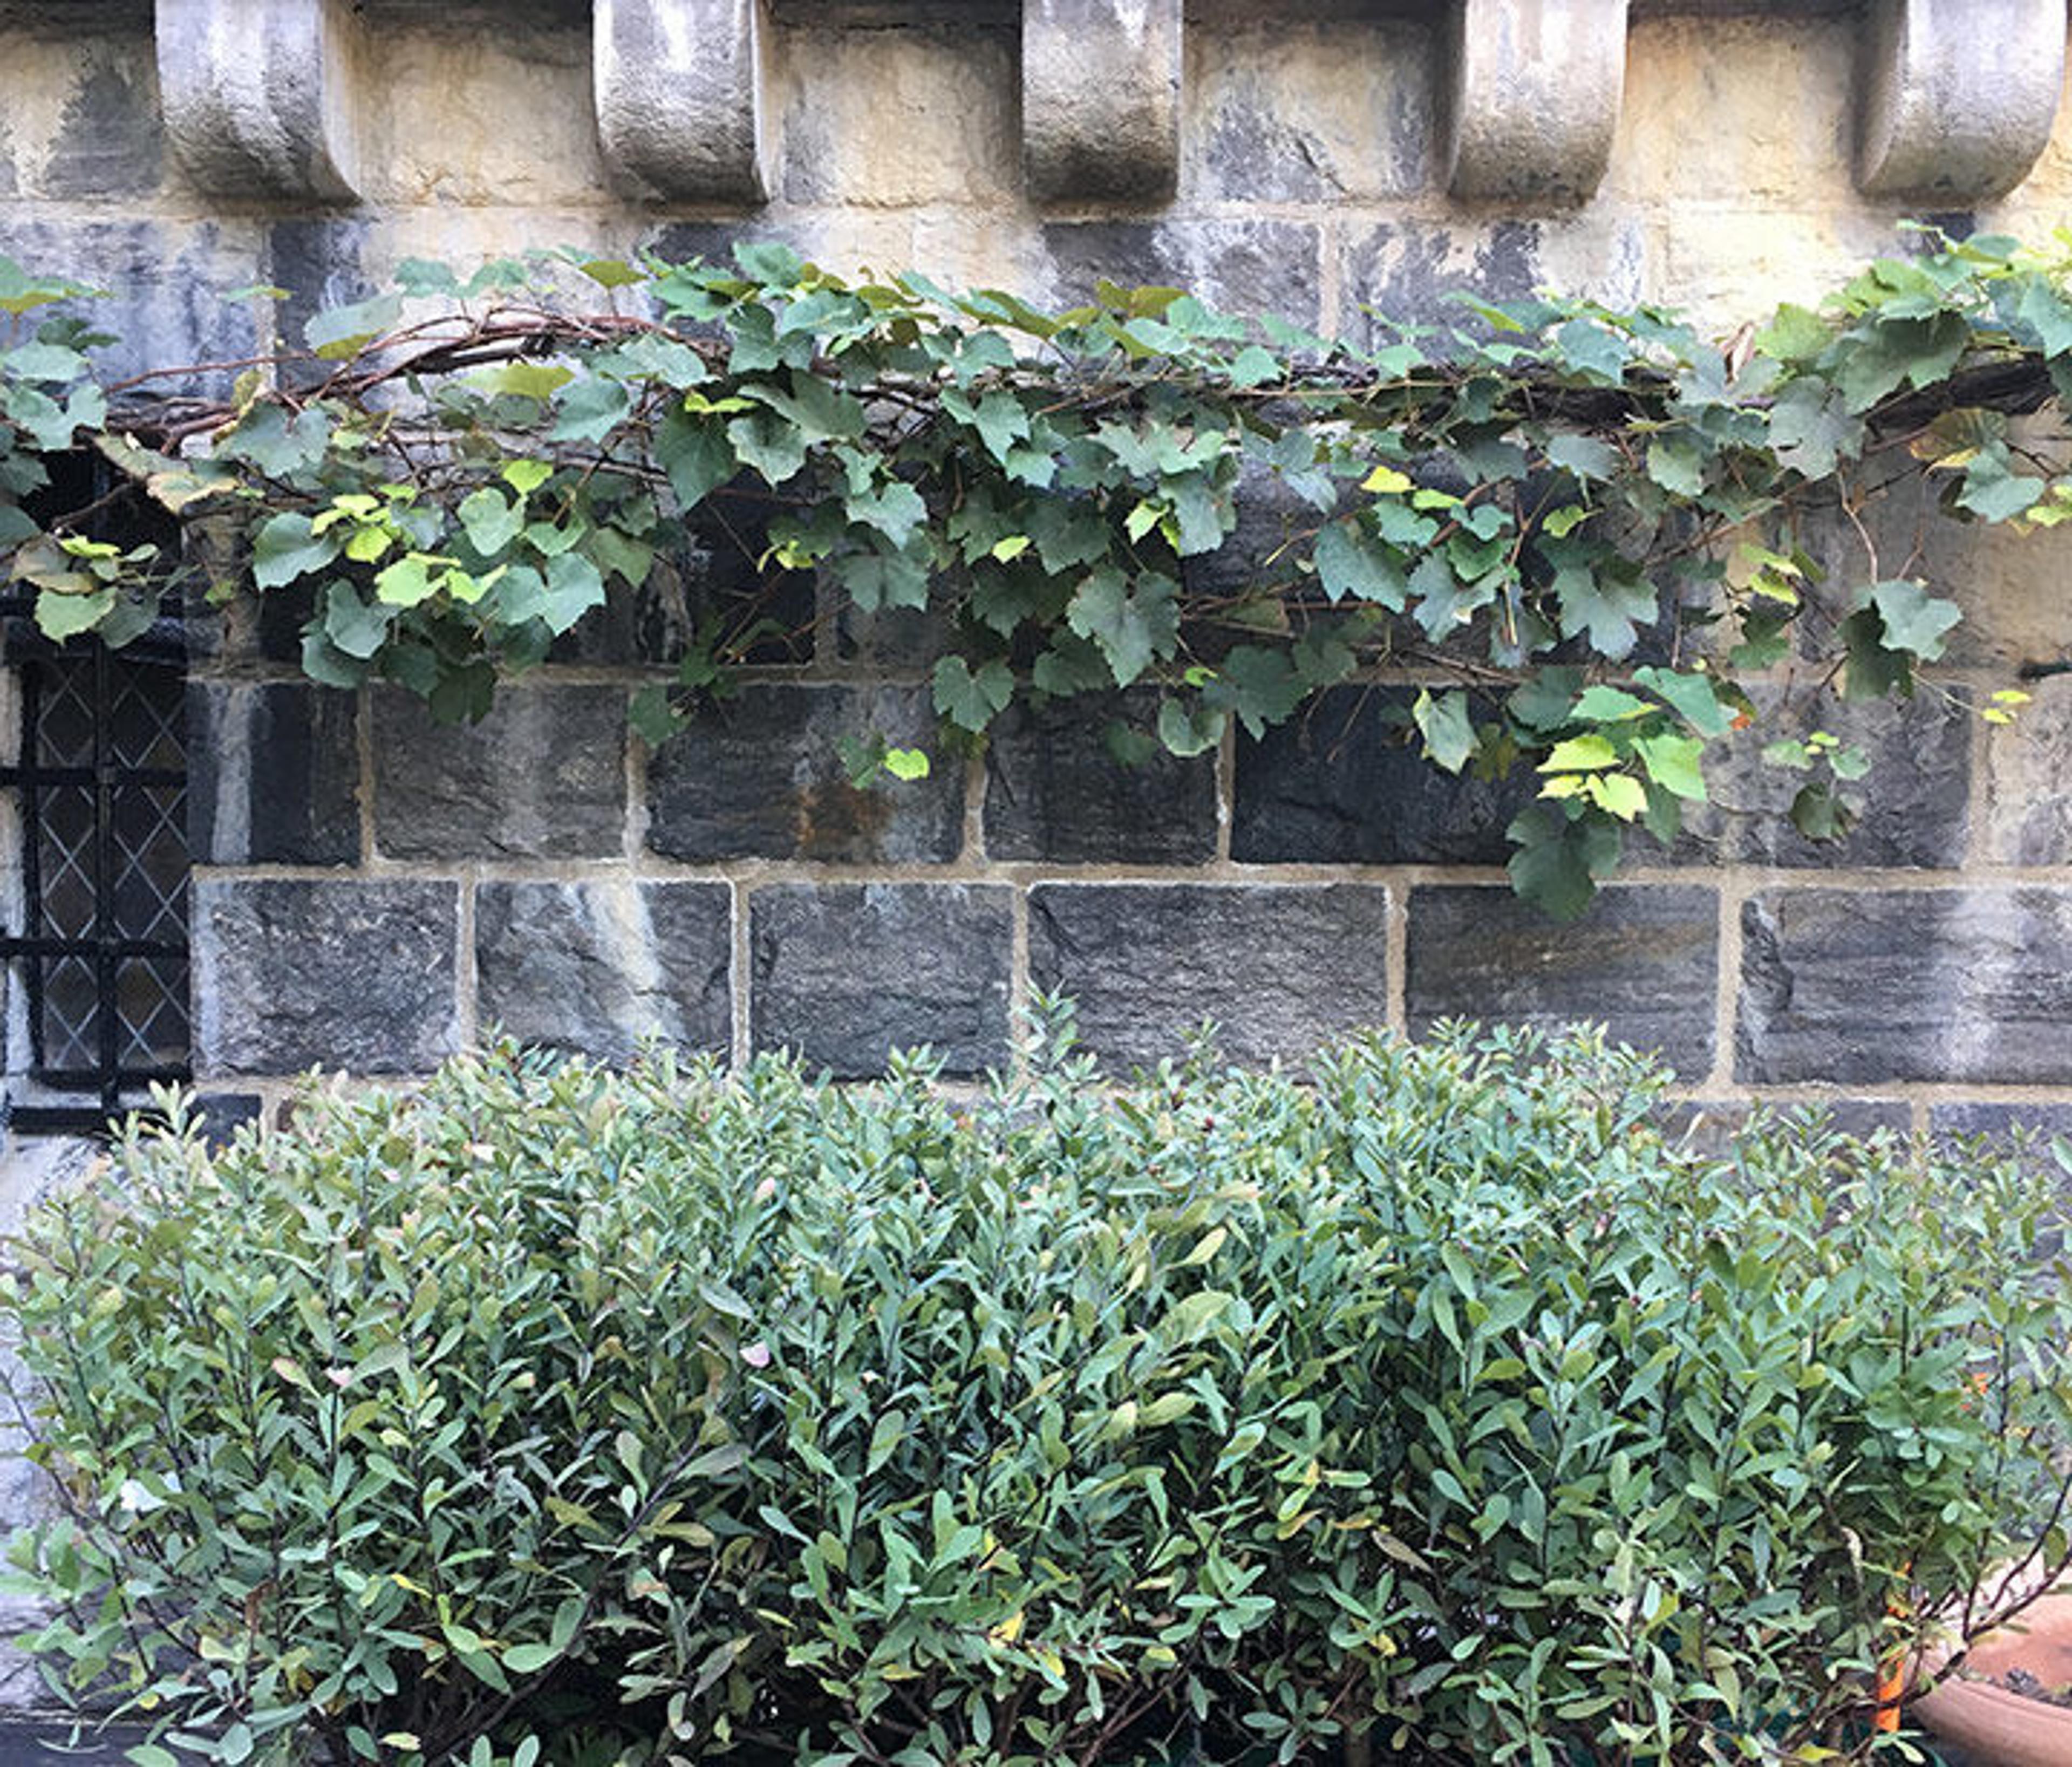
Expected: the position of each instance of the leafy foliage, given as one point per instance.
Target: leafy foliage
(1553, 497)
(550, 1414)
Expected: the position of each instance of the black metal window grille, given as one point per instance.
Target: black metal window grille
(101, 952)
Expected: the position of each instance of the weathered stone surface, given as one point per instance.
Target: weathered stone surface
(1101, 99)
(1535, 90)
(1346, 782)
(110, 139)
(846, 973)
(1643, 961)
(1408, 271)
(1865, 987)
(163, 280)
(291, 973)
(542, 777)
(1912, 807)
(1285, 108)
(1998, 1122)
(259, 95)
(1959, 97)
(272, 774)
(681, 97)
(601, 967)
(223, 1114)
(1711, 1125)
(2029, 812)
(1248, 266)
(1055, 789)
(760, 776)
(1281, 969)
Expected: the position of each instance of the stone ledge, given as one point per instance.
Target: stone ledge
(1959, 96)
(1536, 87)
(258, 96)
(1101, 100)
(679, 90)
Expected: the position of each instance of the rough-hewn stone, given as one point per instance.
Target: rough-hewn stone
(2028, 809)
(356, 974)
(1959, 97)
(1535, 90)
(1346, 782)
(1642, 961)
(601, 967)
(1101, 99)
(1056, 789)
(1247, 265)
(760, 776)
(272, 774)
(846, 973)
(680, 93)
(1912, 809)
(1280, 968)
(111, 140)
(543, 776)
(259, 95)
(1866, 986)
(1997, 1121)
(1411, 271)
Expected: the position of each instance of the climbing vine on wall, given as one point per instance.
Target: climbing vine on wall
(1581, 531)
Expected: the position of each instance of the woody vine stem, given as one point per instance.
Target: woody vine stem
(1581, 534)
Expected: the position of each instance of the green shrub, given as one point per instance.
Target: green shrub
(1438, 1406)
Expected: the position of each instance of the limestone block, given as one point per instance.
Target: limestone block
(1536, 86)
(1101, 100)
(291, 973)
(845, 974)
(1281, 969)
(1959, 97)
(680, 95)
(258, 95)
(1643, 962)
(1858, 986)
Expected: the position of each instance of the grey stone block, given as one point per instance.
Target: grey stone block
(1996, 1122)
(543, 776)
(1535, 90)
(602, 967)
(109, 141)
(349, 974)
(1643, 961)
(1246, 267)
(164, 279)
(846, 973)
(1345, 782)
(760, 776)
(1281, 969)
(258, 95)
(1912, 809)
(1958, 97)
(681, 97)
(2029, 812)
(1860, 986)
(1405, 272)
(272, 774)
(1101, 99)
(1710, 1125)
(1055, 790)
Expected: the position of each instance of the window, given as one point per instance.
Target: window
(96, 929)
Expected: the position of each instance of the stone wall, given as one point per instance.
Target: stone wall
(371, 892)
